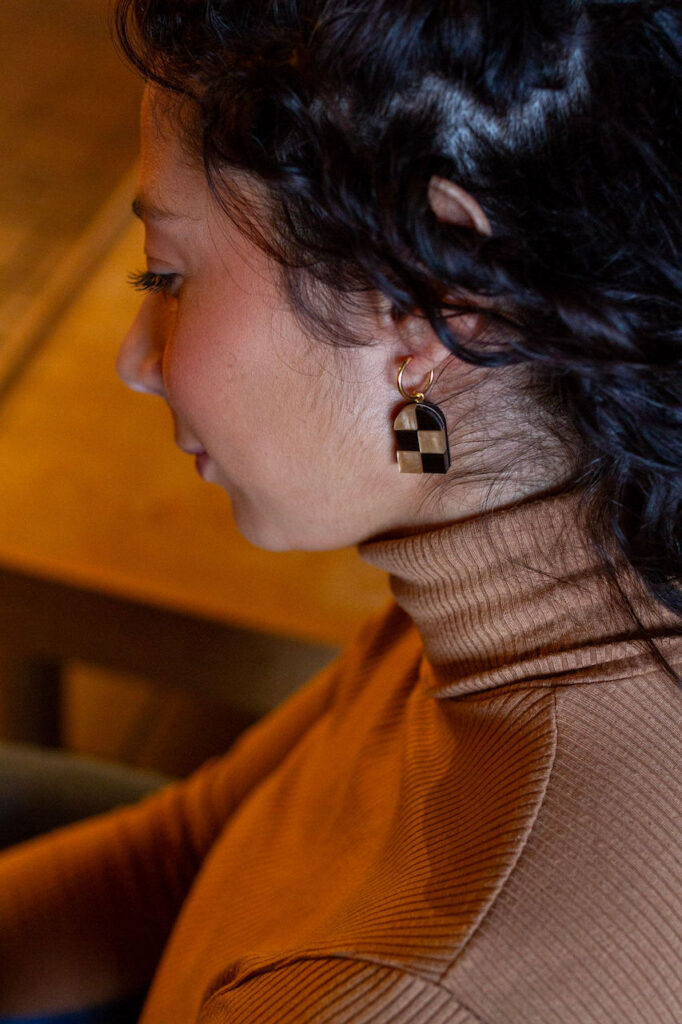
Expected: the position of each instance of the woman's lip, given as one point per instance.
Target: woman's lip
(200, 462)
(201, 457)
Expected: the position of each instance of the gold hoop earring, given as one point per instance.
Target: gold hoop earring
(420, 430)
(417, 396)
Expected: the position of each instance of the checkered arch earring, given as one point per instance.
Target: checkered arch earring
(420, 431)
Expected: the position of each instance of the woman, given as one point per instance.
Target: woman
(413, 276)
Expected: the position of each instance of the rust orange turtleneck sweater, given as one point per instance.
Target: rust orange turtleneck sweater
(470, 818)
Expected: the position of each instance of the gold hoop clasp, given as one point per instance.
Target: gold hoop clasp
(417, 396)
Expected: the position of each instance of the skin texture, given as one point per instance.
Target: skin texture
(297, 432)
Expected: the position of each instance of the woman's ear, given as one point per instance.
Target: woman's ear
(414, 335)
(454, 205)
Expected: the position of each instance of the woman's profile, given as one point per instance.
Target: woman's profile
(413, 283)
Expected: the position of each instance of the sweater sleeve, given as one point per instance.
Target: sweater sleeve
(333, 990)
(86, 910)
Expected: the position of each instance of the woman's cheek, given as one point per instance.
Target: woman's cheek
(197, 382)
(182, 374)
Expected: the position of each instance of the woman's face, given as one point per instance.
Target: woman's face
(297, 432)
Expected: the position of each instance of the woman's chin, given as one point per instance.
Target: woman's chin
(277, 533)
(257, 528)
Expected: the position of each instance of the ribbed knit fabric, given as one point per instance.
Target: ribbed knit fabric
(472, 818)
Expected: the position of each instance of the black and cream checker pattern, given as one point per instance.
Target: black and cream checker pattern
(421, 439)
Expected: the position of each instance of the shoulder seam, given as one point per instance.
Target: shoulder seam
(286, 960)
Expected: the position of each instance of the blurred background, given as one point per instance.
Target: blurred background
(135, 623)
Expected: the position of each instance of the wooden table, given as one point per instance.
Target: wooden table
(112, 550)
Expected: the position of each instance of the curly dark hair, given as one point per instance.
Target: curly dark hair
(563, 118)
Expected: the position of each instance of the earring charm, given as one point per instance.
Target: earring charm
(420, 431)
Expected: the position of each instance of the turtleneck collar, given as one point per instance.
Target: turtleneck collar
(518, 595)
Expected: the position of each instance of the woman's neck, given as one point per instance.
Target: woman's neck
(517, 595)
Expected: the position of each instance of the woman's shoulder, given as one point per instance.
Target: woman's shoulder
(587, 920)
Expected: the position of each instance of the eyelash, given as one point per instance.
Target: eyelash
(146, 281)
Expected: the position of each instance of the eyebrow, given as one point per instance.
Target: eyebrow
(144, 209)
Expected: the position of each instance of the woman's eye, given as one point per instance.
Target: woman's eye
(147, 281)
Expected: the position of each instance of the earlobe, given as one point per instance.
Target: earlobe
(415, 337)
(454, 205)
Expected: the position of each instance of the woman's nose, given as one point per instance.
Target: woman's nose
(140, 357)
